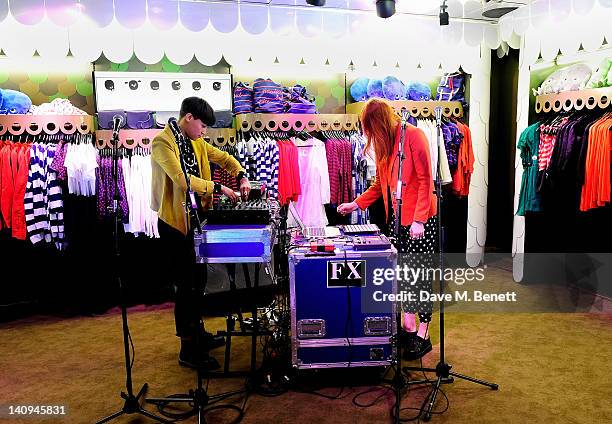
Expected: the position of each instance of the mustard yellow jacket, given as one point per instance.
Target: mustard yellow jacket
(168, 183)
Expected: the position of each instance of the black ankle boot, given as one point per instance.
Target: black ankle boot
(420, 348)
(192, 357)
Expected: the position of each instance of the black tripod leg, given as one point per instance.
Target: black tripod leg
(432, 400)
(228, 342)
(142, 391)
(475, 380)
(153, 416)
(429, 382)
(110, 417)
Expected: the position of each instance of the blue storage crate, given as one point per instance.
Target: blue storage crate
(323, 332)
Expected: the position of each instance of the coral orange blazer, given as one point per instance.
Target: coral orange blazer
(418, 197)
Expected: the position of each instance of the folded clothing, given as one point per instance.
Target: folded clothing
(268, 96)
(300, 101)
(243, 98)
(56, 107)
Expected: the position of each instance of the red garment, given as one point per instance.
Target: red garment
(465, 163)
(2, 145)
(21, 181)
(339, 165)
(596, 188)
(333, 168)
(223, 177)
(418, 198)
(548, 138)
(289, 187)
(7, 189)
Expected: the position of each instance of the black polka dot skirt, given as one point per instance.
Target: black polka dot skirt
(418, 256)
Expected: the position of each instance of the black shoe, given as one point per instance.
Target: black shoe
(420, 348)
(210, 341)
(190, 357)
(406, 338)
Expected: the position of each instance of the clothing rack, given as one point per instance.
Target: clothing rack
(417, 109)
(296, 122)
(574, 100)
(130, 139)
(45, 124)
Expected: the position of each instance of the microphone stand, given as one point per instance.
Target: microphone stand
(199, 398)
(132, 403)
(443, 369)
(398, 382)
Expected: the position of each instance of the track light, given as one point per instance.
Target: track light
(385, 8)
(443, 13)
(316, 2)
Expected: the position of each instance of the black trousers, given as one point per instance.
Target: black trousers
(181, 271)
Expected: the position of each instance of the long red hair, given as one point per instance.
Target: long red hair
(379, 122)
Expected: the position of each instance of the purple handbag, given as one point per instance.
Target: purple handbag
(105, 118)
(140, 119)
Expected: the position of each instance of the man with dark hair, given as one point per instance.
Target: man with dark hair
(169, 189)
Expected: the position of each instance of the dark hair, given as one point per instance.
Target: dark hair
(199, 108)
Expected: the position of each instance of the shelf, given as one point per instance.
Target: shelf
(574, 100)
(297, 122)
(416, 109)
(46, 124)
(142, 138)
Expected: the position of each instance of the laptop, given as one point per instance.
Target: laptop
(314, 232)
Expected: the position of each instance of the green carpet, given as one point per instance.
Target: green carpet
(550, 367)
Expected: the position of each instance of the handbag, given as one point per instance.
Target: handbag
(223, 119)
(140, 119)
(105, 118)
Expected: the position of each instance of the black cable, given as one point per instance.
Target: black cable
(132, 348)
(423, 407)
(368, 391)
(349, 318)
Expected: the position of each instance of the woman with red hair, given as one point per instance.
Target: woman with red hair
(417, 238)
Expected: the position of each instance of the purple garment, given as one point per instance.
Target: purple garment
(452, 142)
(105, 190)
(58, 161)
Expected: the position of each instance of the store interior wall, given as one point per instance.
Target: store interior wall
(502, 133)
(86, 283)
(563, 245)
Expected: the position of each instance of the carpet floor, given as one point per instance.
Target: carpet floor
(550, 367)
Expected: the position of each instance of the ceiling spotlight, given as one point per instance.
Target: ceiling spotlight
(316, 2)
(385, 8)
(443, 13)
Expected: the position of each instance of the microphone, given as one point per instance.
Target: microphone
(117, 123)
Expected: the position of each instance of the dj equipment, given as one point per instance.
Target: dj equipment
(325, 232)
(249, 212)
(314, 232)
(335, 320)
(322, 246)
(234, 243)
(361, 229)
(380, 242)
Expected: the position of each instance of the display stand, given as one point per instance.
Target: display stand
(130, 139)
(574, 100)
(296, 122)
(416, 109)
(47, 124)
